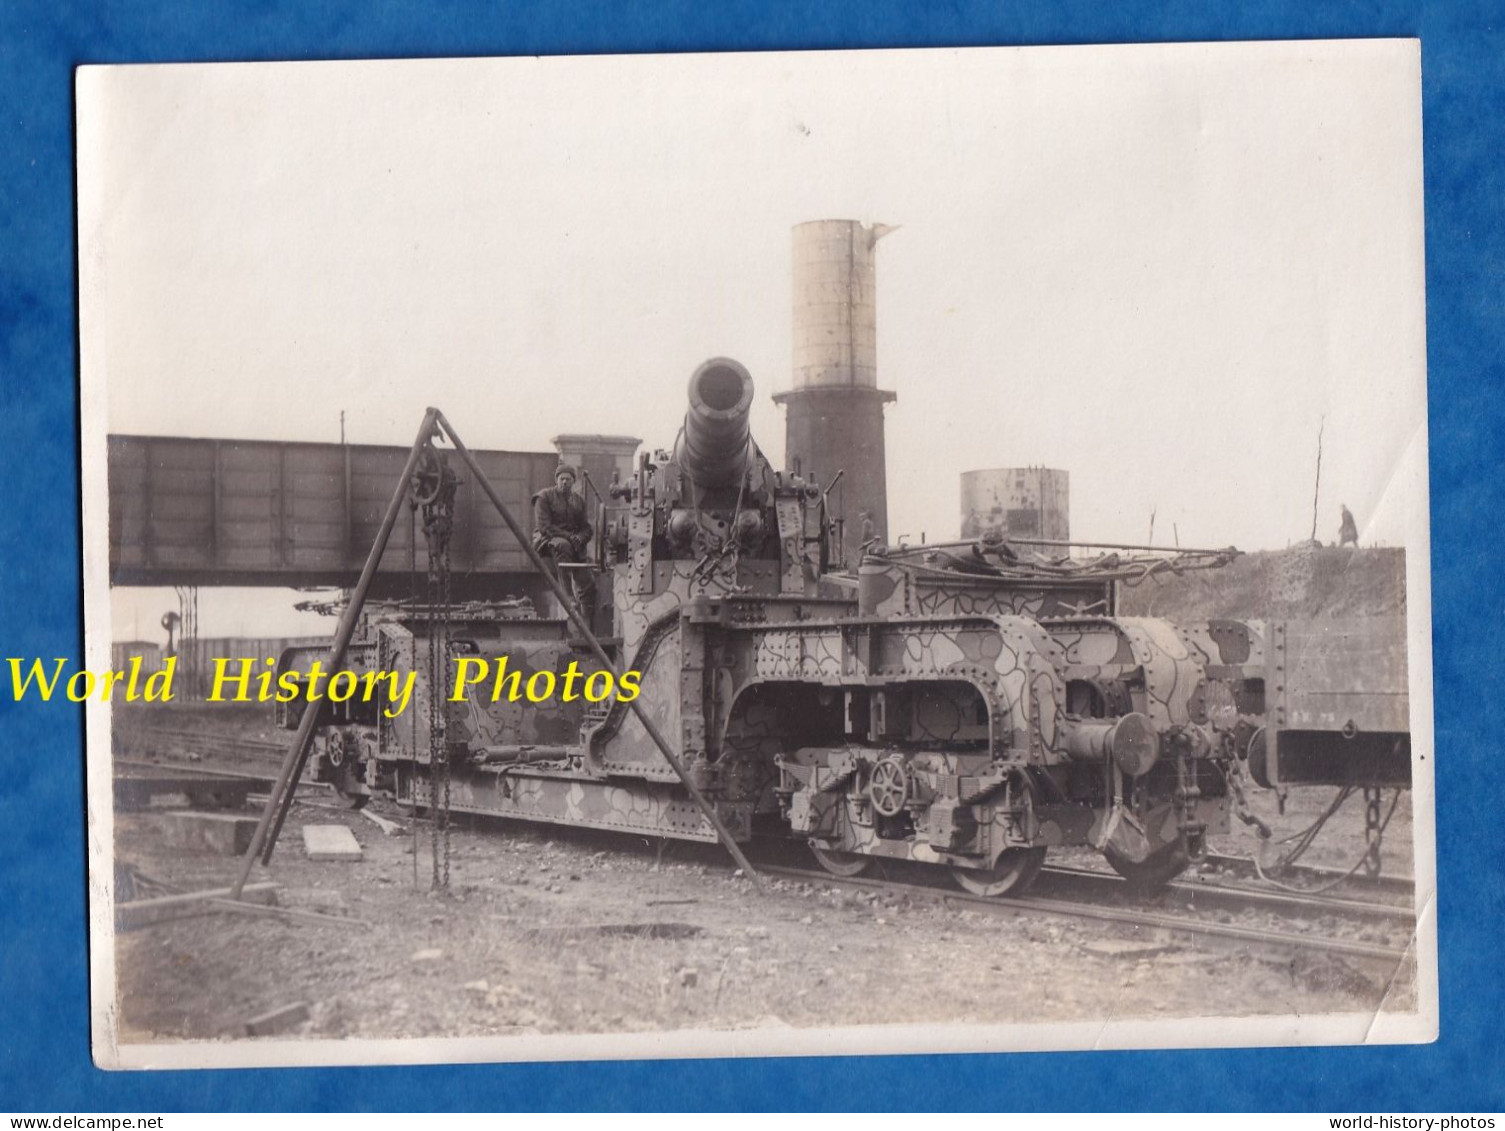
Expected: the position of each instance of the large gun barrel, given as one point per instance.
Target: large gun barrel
(716, 447)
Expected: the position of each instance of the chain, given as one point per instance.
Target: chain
(1234, 776)
(1188, 793)
(438, 495)
(1374, 828)
(438, 738)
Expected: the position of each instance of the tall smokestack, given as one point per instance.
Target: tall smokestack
(834, 418)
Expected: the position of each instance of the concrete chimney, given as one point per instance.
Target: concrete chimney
(834, 409)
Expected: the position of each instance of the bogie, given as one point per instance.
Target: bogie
(838, 863)
(1012, 874)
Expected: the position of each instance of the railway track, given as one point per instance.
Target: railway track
(140, 766)
(1243, 867)
(1215, 893)
(193, 752)
(166, 741)
(1138, 918)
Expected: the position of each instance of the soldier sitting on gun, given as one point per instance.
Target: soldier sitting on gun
(560, 531)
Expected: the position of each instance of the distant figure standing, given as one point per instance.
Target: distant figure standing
(1348, 531)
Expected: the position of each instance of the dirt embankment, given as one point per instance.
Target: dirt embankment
(1303, 582)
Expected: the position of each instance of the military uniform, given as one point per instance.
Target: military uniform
(560, 530)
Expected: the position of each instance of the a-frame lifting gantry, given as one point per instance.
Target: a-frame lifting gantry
(435, 427)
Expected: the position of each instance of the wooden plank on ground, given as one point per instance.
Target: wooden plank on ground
(287, 913)
(388, 828)
(330, 842)
(141, 912)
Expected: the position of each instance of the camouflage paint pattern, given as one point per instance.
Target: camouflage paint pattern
(755, 650)
(920, 709)
(889, 588)
(560, 797)
(622, 745)
(1017, 665)
(675, 583)
(1169, 665)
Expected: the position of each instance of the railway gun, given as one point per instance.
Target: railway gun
(968, 706)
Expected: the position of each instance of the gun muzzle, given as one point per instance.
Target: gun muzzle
(716, 447)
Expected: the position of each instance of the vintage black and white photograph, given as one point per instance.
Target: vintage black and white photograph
(756, 554)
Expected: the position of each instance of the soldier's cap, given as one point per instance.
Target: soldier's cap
(567, 469)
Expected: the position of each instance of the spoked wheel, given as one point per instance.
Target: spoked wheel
(888, 787)
(341, 753)
(1012, 875)
(428, 475)
(1151, 874)
(843, 864)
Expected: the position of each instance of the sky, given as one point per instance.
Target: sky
(1160, 268)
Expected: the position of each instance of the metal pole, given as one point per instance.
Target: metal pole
(591, 483)
(1119, 546)
(600, 518)
(595, 645)
(1317, 483)
(281, 799)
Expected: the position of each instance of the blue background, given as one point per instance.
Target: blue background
(44, 992)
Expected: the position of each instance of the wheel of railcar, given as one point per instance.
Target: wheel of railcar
(1153, 873)
(843, 864)
(1015, 870)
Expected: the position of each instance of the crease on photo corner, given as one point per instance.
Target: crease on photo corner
(1404, 464)
(1411, 955)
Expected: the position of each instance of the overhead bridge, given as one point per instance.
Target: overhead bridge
(254, 512)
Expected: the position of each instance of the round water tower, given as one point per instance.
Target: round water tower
(1017, 502)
